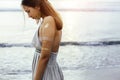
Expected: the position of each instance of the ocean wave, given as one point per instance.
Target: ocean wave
(89, 43)
(14, 72)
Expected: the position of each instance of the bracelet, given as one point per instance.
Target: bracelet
(45, 49)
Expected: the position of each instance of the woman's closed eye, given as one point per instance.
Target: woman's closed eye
(28, 11)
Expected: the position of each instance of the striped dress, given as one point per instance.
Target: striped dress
(52, 71)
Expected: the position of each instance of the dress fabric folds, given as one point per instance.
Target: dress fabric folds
(52, 71)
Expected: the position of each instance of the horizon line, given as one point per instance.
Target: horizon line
(69, 9)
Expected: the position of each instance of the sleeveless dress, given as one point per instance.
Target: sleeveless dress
(52, 71)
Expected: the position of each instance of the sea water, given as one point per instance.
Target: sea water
(16, 62)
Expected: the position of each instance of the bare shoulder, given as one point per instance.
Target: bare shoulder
(48, 28)
(49, 19)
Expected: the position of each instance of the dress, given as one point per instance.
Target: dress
(52, 71)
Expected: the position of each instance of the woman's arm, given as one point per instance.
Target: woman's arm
(47, 35)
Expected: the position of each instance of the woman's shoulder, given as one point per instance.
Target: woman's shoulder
(48, 19)
(48, 22)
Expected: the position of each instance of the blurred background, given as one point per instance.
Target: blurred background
(90, 40)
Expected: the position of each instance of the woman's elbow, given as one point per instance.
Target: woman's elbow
(45, 57)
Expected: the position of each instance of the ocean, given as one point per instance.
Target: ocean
(90, 44)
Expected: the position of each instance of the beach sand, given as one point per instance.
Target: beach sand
(96, 74)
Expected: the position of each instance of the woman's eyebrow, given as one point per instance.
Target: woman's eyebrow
(26, 10)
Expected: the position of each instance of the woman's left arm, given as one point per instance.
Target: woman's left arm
(47, 35)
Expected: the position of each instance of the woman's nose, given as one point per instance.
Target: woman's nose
(29, 15)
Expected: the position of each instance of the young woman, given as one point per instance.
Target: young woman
(46, 39)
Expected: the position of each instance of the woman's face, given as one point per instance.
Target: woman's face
(33, 13)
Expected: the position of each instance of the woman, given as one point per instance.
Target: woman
(46, 39)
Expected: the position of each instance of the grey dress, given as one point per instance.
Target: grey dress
(52, 71)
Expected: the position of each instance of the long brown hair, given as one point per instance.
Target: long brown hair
(46, 9)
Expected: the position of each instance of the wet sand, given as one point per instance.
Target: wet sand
(97, 74)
